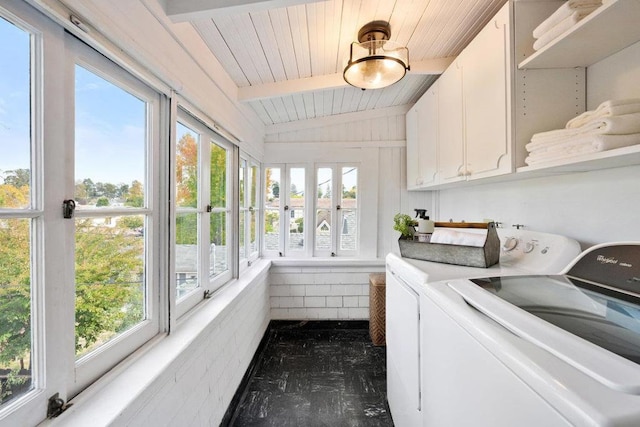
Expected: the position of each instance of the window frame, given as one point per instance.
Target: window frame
(93, 365)
(284, 212)
(336, 200)
(45, 324)
(207, 136)
(251, 206)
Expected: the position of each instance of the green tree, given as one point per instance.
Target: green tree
(102, 201)
(90, 187)
(109, 287)
(135, 196)
(15, 291)
(187, 171)
(218, 181)
(81, 195)
(18, 178)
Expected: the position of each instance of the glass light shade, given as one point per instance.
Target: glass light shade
(376, 64)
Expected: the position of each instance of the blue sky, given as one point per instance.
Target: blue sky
(110, 123)
(14, 97)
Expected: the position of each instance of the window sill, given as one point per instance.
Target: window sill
(328, 262)
(116, 392)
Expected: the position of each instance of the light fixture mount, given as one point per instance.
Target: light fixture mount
(375, 61)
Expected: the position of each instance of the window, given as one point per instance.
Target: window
(248, 210)
(116, 135)
(81, 292)
(332, 213)
(20, 220)
(78, 294)
(336, 213)
(285, 234)
(272, 210)
(203, 215)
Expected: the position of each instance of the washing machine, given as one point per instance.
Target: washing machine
(532, 350)
(522, 252)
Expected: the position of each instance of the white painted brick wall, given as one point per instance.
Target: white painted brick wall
(199, 390)
(329, 293)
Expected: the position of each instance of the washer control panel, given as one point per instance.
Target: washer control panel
(534, 251)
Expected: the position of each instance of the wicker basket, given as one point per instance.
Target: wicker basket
(377, 301)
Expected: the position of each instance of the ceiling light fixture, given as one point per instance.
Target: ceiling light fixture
(375, 62)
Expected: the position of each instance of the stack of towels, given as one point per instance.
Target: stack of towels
(567, 15)
(614, 124)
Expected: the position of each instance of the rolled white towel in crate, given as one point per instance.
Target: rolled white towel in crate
(460, 238)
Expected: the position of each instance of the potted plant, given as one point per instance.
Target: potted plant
(405, 225)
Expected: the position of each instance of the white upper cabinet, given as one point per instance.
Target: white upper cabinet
(485, 82)
(422, 138)
(488, 109)
(451, 126)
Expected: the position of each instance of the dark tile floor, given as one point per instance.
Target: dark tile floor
(315, 374)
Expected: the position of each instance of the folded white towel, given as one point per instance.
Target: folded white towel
(606, 109)
(585, 145)
(564, 11)
(614, 125)
(562, 26)
(453, 237)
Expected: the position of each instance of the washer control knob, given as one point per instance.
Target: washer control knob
(509, 244)
(528, 247)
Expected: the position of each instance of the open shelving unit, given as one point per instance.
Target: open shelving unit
(609, 29)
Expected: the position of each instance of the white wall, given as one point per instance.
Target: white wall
(336, 293)
(593, 207)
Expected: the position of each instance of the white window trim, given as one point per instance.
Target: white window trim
(248, 208)
(336, 199)
(91, 366)
(208, 136)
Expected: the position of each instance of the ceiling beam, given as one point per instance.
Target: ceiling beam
(327, 81)
(190, 10)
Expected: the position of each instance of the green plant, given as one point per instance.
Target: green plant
(404, 224)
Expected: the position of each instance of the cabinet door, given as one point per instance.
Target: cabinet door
(428, 136)
(413, 168)
(485, 77)
(450, 125)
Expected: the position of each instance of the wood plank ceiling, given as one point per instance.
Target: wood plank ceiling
(302, 43)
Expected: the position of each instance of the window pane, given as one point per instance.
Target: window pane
(186, 253)
(241, 182)
(242, 234)
(15, 117)
(253, 180)
(272, 209)
(252, 232)
(109, 278)
(296, 208)
(324, 209)
(218, 262)
(348, 231)
(218, 176)
(187, 154)
(15, 309)
(110, 144)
